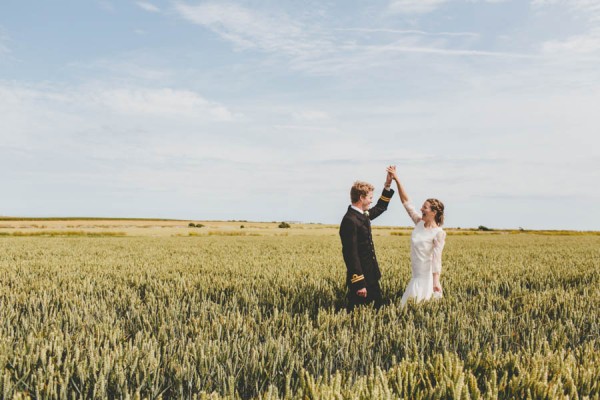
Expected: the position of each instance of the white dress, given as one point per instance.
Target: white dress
(426, 245)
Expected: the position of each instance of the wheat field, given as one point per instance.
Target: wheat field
(262, 316)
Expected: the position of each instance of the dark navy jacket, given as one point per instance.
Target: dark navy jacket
(357, 244)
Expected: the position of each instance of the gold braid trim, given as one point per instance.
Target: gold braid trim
(386, 199)
(357, 278)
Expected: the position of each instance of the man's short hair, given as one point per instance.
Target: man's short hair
(360, 189)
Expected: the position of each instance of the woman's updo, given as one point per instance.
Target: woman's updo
(438, 207)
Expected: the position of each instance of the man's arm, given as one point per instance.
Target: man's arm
(348, 234)
(382, 203)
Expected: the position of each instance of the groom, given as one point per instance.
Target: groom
(362, 275)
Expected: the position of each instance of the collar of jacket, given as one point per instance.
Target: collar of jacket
(358, 213)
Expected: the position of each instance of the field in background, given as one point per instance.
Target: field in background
(156, 227)
(159, 313)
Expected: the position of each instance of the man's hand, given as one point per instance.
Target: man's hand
(388, 180)
(362, 292)
(392, 175)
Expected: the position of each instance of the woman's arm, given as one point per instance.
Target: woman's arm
(436, 259)
(403, 196)
(412, 213)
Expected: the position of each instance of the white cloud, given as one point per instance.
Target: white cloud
(161, 102)
(129, 68)
(414, 6)
(310, 48)
(401, 48)
(587, 9)
(147, 6)
(32, 111)
(310, 115)
(247, 28)
(131, 144)
(409, 32)
(584, 44)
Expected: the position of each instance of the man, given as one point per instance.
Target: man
(362, 275)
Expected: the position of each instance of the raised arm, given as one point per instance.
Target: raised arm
(412, 213)
(403, 196)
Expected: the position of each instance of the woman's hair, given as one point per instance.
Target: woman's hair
(360, 189)
(438, 207)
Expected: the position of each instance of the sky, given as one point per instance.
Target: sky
(270, 110)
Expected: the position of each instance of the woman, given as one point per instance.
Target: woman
(426, 245)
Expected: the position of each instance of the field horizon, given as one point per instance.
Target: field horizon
(140, 226)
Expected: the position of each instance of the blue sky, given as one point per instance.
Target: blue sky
(269, 110)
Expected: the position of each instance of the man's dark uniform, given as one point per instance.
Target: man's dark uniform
(362, 270)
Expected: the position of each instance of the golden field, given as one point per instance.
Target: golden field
(156, 309)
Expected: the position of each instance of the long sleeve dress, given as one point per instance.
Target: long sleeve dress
(426, 245)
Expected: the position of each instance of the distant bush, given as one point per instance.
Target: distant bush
(284, 225)
(483, 228)
(199, 225)
(241, 226)
(193, 225)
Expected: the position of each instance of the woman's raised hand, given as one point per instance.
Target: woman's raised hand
(392, 171)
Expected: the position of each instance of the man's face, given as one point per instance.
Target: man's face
(366, 201)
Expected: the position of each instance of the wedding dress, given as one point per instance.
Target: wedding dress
(426, 245)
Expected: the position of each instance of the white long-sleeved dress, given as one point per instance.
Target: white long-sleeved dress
(426, 245)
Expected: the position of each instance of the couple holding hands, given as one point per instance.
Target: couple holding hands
(427, 243)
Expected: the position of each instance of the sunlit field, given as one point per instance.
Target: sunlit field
(158, 309)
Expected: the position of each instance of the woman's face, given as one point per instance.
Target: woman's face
(428, 213)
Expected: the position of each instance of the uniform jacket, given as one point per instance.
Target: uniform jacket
(357, 244)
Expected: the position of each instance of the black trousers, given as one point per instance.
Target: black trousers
(373, 297)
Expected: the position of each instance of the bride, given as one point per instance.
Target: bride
(426, 245)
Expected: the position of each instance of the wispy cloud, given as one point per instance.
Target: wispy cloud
(247, 28)
(129, 68)
(408, 32)
(310, 115)
(147, 6)
(586, 9)
(583, 44)
(414, 6)
(316, 50)
(444, 51)
(110, 102)
(587, 14)
(162, 102)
